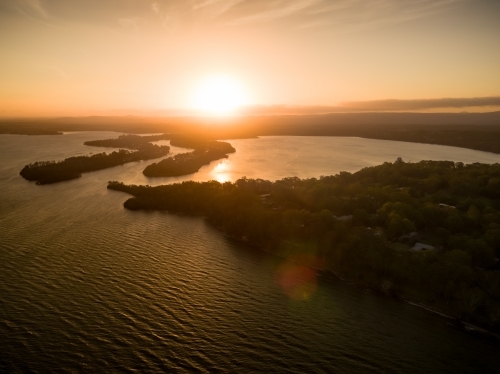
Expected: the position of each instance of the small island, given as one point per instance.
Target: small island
(128, 141)
(46, 172)
(427, 232)
(200, 143)
(205, 151)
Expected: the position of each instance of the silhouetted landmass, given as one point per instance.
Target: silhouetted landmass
(205, 152)
(128, 141)
(429, 231)
(480, 131)
(27, 130)
(477, 139)
(253, 124)
(200, 143)
(46, 172)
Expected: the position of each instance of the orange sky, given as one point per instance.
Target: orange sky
(62, 57)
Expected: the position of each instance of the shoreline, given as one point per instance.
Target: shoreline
(459, 324)
(363, 266)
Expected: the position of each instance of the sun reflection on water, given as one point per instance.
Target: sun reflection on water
(222, 171)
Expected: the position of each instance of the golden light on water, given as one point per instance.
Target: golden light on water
(222, 172)
(219, 95)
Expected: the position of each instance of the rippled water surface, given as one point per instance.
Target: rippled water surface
(86, 286)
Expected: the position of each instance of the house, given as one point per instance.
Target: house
(446, 206)
(421, 247)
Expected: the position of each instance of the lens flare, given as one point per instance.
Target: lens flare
(298, 277)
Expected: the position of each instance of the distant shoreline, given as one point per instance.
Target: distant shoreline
(477, 131)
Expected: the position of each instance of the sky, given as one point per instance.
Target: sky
(118, 57)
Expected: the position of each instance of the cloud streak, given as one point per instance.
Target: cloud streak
(380, 106)
(280, 9)
(340, 15)
(132, 23)
(424, 104)
(350, 14)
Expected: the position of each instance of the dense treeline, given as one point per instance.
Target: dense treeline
(128, 141)
(364, 227)
(205, 151)
(46, 172)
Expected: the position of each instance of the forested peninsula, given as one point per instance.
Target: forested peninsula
(205, 151)
(427, 231)
(46, 172)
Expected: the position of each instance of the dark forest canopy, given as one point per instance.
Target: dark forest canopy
(205, 151)
(128, 141)
(368, 227)
(46, 172)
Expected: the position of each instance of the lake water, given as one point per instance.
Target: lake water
(87, 286)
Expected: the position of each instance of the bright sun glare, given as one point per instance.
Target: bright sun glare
(219, 95)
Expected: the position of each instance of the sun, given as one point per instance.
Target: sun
(219, 95)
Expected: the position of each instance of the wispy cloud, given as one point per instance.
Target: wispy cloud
(33, 8)
(214, 8)
(155, 7)
(332, 6)
(345, 14)
(173, 14)
(279, 10)
(167, 15)
(354, 15)
(132, 22)
(205, 3)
